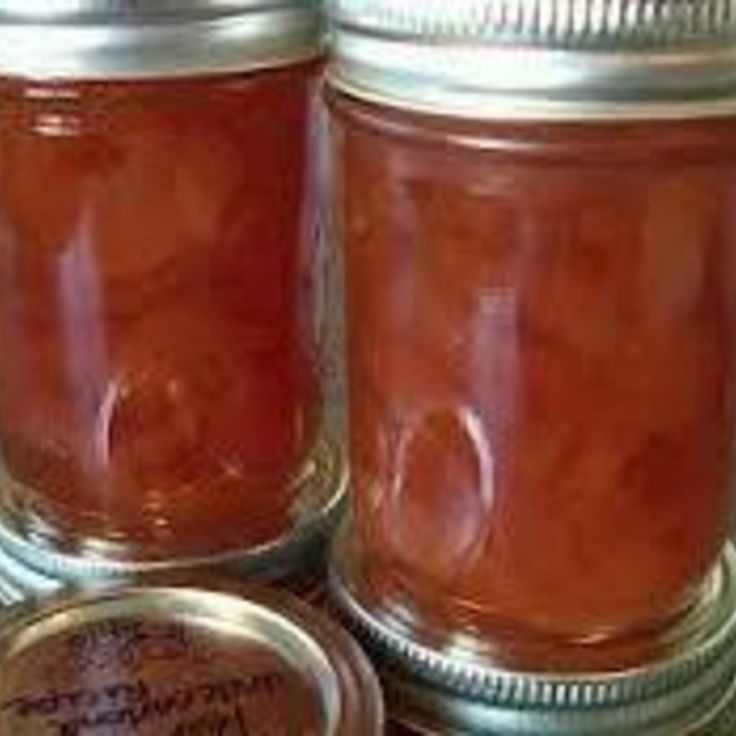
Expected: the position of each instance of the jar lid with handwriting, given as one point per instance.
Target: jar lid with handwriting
(181, 660)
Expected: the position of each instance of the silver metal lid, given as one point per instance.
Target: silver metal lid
(549, 59)
(103, 39)
(182, 660)
(18, 582)
(450, 688)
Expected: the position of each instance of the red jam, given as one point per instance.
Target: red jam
(541, 352)
(158, 380)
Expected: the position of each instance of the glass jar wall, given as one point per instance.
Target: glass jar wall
(162, 376)
(541, 326)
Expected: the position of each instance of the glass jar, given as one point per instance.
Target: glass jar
(541, 344)
(536, 205)
(161, 280)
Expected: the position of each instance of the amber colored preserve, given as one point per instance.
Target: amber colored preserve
(158, 376)
(541, 348)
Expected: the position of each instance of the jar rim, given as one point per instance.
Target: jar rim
(631, 59)
(32, 565)
(94, 40)
(456, 686)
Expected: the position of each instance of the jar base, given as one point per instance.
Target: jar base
(440, 682)
(33, 559)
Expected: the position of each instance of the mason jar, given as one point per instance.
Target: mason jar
(536, 205)
(164, 374)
